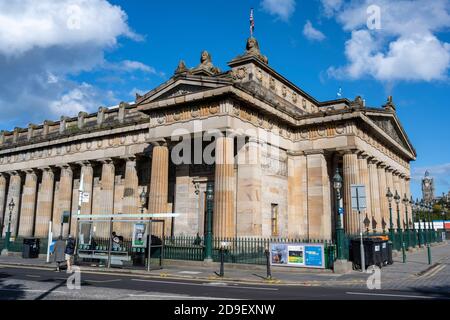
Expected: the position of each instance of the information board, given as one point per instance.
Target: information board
(302, 255)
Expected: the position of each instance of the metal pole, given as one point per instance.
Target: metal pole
(49, 241)
(222, 261)
(361, 246)
(8, 234)
(402, 242)
(209, 212)
(110, 242)
(149, 245)
(391, 225)
(339, 232)
(269, 271)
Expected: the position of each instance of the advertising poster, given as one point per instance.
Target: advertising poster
(139, 238)
(297, 255)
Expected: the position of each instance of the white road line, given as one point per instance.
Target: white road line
(189, 272)
(175, 297)
(31, 290)
(32, 276)
(389, 295)
(103, 281)
(435, 271)
(204, 285)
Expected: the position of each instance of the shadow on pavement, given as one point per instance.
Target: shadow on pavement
(442, 292)
(10, 291)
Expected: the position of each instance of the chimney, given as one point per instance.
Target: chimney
(101, 115)
(81, 119)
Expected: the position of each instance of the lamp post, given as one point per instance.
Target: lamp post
(428, 209)
(209, 212)
(444, 213)
(11, 206)
(405, 203)
(143, 199)
(399, 225)
(337, 185)
(390, 197)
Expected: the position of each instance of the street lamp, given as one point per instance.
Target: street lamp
(399, 226)
(406, 203)
(11, 206)
(390, 197)
(143, 199)
(209, 213)
(337, 185)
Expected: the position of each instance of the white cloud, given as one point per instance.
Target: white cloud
(283, 9)
(312, 33)
(43, 43)
(406, 48)
(331, 6)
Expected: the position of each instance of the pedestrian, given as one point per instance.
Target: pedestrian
(58, 252)
(69, 252)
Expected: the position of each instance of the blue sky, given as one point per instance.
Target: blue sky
(99, 52)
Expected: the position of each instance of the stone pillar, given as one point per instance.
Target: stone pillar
(397, 187)
(390, 185)
(318, 190)
(384, 204)
(224, 214)
(106, 196)
(87, 172)
(28, 207)
(249, 185)
(375, 199)
(3, 185)
(351, 176)
(402, 196)
(297, 196)
(408, 194)
(45, 203)
(364, 176)
(64, 200)
(159, 185)
(15, 185)
(130, 202)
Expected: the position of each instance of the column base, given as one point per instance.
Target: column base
(342, 266)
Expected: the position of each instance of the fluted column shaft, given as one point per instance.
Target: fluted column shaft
(224, 217)
(15, 185)
(130, 204)
(351, 176)
(64, 200)
(87, 172)
(382, 187)
(402, 195)
(106, 196)
(45, 203)
(3, 184)
(375, 199)
(364, 176)
(397, 187)
(159, 185)
(28, 208)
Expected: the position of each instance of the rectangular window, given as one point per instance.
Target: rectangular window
(275, 220)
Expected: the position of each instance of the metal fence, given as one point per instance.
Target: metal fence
(17, 245)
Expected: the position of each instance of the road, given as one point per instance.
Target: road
(26, 283)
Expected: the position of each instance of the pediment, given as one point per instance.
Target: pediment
(181, 86)
(391, 126)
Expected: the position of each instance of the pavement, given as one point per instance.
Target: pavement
(415, 276)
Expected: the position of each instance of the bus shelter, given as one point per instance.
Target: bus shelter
(133, 241)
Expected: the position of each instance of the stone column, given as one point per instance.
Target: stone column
(364, 176)
(130, 202)
(351, 176)
(64, 200)
(375, 199)
(15, 185)
(408, 194)
(224, 214)
(402, 196)
(382, 187)
(3, 185)
(391, 186)
(319, 206)
(249, 185)
(397, 187)
(45, 203)
(28, 208)
(107, 195)
(87, 172)
(297, 196)
(159, 184)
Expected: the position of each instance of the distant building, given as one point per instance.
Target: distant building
(428, 188)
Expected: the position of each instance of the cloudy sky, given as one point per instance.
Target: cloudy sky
(60, 57)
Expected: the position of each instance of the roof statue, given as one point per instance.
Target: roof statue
(359, 102)
(206, 64)
(390, 104)
(252, 49)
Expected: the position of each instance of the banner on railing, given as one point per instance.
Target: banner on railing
(302, 255)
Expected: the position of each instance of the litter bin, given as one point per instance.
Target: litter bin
(372, 252)
(31, 248)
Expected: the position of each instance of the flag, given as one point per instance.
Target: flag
(252, 22)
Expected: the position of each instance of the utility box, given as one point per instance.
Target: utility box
(372, 252)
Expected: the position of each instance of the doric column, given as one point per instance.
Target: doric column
(382, 187)
(28, 207)
(375, 199)
(107, 195)
(351, 176)
(224, 217)
(159, 184)
(87, 173)
(45, 202)
(15, 185)
(364, 176)
(64, 201)
(3, 185)
(130, 202)
(318, 191)
(397, 187)
(249, 185)
(402, 196)
(297, 196)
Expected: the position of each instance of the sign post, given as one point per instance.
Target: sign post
(358, 193)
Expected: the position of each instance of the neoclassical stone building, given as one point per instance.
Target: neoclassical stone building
(275, 159)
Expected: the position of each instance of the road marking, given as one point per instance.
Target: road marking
(31, 290)
(389, 295)
(203, 284)
(189, 272)
(103, 281)
(32, 276)
(175, 297)
(435, 271)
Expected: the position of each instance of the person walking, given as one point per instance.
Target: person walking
(69, 252)
(58, 252)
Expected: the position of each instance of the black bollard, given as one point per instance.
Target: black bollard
(269, 271)
(222, 261)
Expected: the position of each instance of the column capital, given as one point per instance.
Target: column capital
(131, 158)
(46, 168)
(313, 152)
(30, 171)
(350, 151)
(84, 163)
(390, 169)
(363, 155)
(373, 160)
(106, 161)
(158, 142)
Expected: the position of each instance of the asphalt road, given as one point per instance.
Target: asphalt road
(18, 283)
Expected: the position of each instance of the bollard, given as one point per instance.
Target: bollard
(222, 260)
(269, 272)
(403, 252)
(429, 253)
